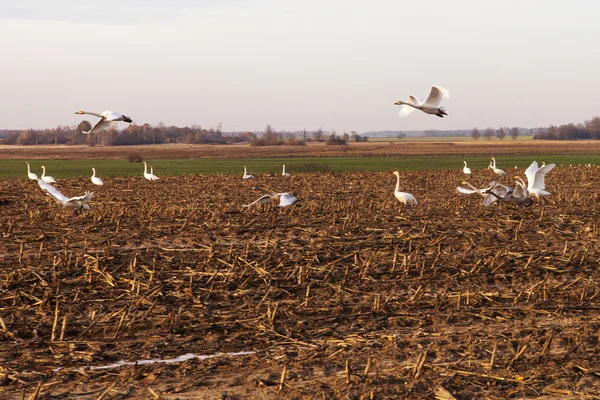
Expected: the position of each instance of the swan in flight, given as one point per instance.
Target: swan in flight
(284, 199)
(466, 170)
(78, 203)
(246, 176)
(30, 174)
(429, 106)
(496, 170)
(46, 178)
(403, 197)
(96, 179)
(106, 119)
(150, 176)
(535, 179)
(285, 173)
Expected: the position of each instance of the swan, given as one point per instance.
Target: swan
(429, 106)
(106, 119)
(285, 173)
(403, 197)
(535, 179)
(95, 179)
(150, 176)
(518, 196)
(466, 170)
(78, 203)
(246, 176)
(45, 178)
(30, 174)
(284, 199)
(497, 171)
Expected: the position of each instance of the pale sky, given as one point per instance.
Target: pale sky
(294, 64)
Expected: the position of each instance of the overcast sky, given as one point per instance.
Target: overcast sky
(335, 64)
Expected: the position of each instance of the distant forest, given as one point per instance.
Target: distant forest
(147, 134)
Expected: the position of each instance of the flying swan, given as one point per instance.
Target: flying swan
(96, 179)
(30, 174)
(106, 119)
(429, 106)
(284, 199)
(403, 197)
(78, 203)
(535, 179)
(46, 178)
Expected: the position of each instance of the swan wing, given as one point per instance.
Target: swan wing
(262, 200)
(530, 174)
(464, 190)
(286, 199)
(406, 109)
(114, 116)
(435, 96)
(52, 191)
(488, 199)
(538, 181)
(100, 125)
(520, 191)
(79, 200)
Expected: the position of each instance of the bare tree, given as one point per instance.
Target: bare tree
(475, 134)
(501, 134)
(489, 133)
(514, 133)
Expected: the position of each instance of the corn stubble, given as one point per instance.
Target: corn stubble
(346, 293)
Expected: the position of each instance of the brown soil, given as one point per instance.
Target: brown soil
(350, 294)
(374, 149)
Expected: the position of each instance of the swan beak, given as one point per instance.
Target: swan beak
(397, 103)
(78, 112)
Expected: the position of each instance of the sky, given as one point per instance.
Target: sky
(334, 64)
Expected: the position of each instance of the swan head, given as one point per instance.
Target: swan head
(399, 103)
(396, 173)
(463, 183)
(79, 112)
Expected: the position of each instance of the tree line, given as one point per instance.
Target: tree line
(587, 130)
(160, 134)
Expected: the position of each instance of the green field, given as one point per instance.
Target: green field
(76, 168)
(444, 139)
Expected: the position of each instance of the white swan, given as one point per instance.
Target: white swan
(466, 170)
(150, 176)
(535, 179)
(74, 203)
(30, 174)
(403, 197)
(496, 170)
(429, 106)
(96, 179)
(246, 175)
(284, 199)
(284, 173)
(106, 119)
(46, 178)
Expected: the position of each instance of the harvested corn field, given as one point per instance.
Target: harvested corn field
(345, 294)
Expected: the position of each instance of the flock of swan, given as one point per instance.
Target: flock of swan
(520, 195)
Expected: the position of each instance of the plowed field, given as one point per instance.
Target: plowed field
(346, 294)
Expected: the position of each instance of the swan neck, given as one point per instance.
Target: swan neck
(397, 183)
(94, 114)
